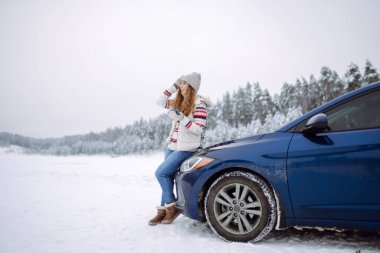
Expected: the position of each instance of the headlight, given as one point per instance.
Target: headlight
(195, 163)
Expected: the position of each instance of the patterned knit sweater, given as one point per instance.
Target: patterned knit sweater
(186, 134)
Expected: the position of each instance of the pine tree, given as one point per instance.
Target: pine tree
(353, 77)
(214, 116)
(236, 107)
(370, 74)
(286, 99)
(269, 107)
(305, 99)
(298, 94)
(314, 93)
(246, 104)
(227, 109)
(258, 106)
(239, 106)
(331, 85)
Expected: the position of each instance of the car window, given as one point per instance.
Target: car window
(360, 113)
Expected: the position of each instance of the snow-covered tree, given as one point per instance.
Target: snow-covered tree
(314, 93)
(244, 106)
(258, 104)
(331, 85)
(227, 113)
(353, 77)
(214, 115)
(269, 107)
(287, 97)
(370, 74)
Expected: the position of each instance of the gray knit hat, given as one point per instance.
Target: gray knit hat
(193, 79)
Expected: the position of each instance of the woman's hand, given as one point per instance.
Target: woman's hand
(163, 100)
(176, 114)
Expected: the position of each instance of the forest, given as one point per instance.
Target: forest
(243, 112)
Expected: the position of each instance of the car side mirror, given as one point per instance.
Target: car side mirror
(316, 124)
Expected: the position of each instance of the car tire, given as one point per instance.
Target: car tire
(240, 207)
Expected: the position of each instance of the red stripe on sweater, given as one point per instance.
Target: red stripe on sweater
(167, 93)
(200, 125)
(199, 116)
(188, 125)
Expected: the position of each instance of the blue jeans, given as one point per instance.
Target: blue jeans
(165, 173)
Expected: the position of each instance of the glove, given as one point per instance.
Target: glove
(172, 89)
(176, 114)
(178, 83)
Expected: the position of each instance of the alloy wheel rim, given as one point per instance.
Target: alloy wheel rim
(237, 208)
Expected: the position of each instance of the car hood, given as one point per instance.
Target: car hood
(231, 143)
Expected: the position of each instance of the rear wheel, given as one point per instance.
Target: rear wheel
(240, 207)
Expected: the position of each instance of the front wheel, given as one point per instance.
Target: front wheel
(240, 207)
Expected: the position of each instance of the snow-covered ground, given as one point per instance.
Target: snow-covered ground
(103, 204)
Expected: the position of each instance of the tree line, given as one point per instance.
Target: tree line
(246, 111)
(251, 102)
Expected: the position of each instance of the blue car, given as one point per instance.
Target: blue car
(322, 169)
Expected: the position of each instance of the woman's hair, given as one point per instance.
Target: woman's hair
(186, 103)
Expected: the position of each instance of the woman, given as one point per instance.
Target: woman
(188, 112)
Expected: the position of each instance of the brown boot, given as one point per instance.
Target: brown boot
(161, 212)
(171, 213)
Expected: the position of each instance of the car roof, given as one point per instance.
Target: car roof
(328, 104)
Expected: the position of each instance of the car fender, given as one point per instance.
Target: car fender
(279, 186)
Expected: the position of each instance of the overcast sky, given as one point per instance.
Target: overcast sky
(75, 66)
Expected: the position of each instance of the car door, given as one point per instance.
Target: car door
(335, 174)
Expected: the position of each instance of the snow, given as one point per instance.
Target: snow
(103, 204)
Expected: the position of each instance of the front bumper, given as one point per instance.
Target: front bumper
(187, 194)
(190, 187)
